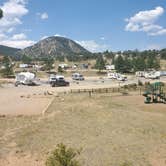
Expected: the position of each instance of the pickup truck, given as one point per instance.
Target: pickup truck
(58, 80)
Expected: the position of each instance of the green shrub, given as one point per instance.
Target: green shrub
(126, 163)
(140, 83)
(63, 156)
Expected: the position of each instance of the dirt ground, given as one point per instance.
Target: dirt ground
(110, 128)
(24, 100)
(33, 100)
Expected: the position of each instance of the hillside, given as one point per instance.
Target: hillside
(8, 51)
(54, 46)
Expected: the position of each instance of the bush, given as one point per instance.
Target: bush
(63, 156)
(126, 163)
(140, 83)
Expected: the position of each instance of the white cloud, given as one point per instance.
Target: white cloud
(58, 35)
(10, 30)
(20, 36)
(44, 37)
(102, 38)
(17, 43)
(153, 46)
(93, 46)
(13, 11)
(160, 32)
(3, 36)
(145, 21)
(42, 16)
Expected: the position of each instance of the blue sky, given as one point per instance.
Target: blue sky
(96, 24)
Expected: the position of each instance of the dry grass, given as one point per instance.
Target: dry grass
(163, 64)
(110, 129)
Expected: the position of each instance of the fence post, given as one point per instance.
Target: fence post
(90, 94)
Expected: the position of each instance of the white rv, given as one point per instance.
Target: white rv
(110, 67)
(112, 75)
(77, 76)
(116, 76)
(25, 78)
(140, 74)
(152, 75)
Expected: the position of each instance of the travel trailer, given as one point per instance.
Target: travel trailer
(110, 67)
(112, 75)
(148, 74)
(77, 76)
(152, 75)
(117, 76)
(140, 74)
(26, 78)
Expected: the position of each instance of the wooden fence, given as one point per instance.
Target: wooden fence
(121, 90)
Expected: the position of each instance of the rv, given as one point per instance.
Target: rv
(117, 76)
(112, 75)
(26, 78)
(110, 67)
(140, 74)
(77, 76)
(152, 75)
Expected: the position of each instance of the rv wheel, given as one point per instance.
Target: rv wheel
(16, 84)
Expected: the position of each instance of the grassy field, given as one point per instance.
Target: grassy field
(110, 129)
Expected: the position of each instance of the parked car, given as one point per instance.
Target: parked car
(121, 78)
(77, 76)
(52, 78)
(58, 80)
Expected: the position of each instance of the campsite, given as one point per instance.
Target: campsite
(34, 119)
(82, 83)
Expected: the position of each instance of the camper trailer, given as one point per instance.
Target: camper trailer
(77, 76)
(117, 76)
(25, 78)
(112, 75)
(140, 74)
(152, 75)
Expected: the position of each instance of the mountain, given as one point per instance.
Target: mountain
(54, 46)
(8, 51)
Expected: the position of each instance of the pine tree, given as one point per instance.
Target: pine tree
(1, 13)
(139, 64)
(100, 63)
(120, 64)
(48, 63)
(8, 68)
(63, 156)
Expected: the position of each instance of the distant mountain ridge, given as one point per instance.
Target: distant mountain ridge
(8, 51)
(49, 47)
(54, 46)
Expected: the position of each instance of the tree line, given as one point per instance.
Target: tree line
(129, 64)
